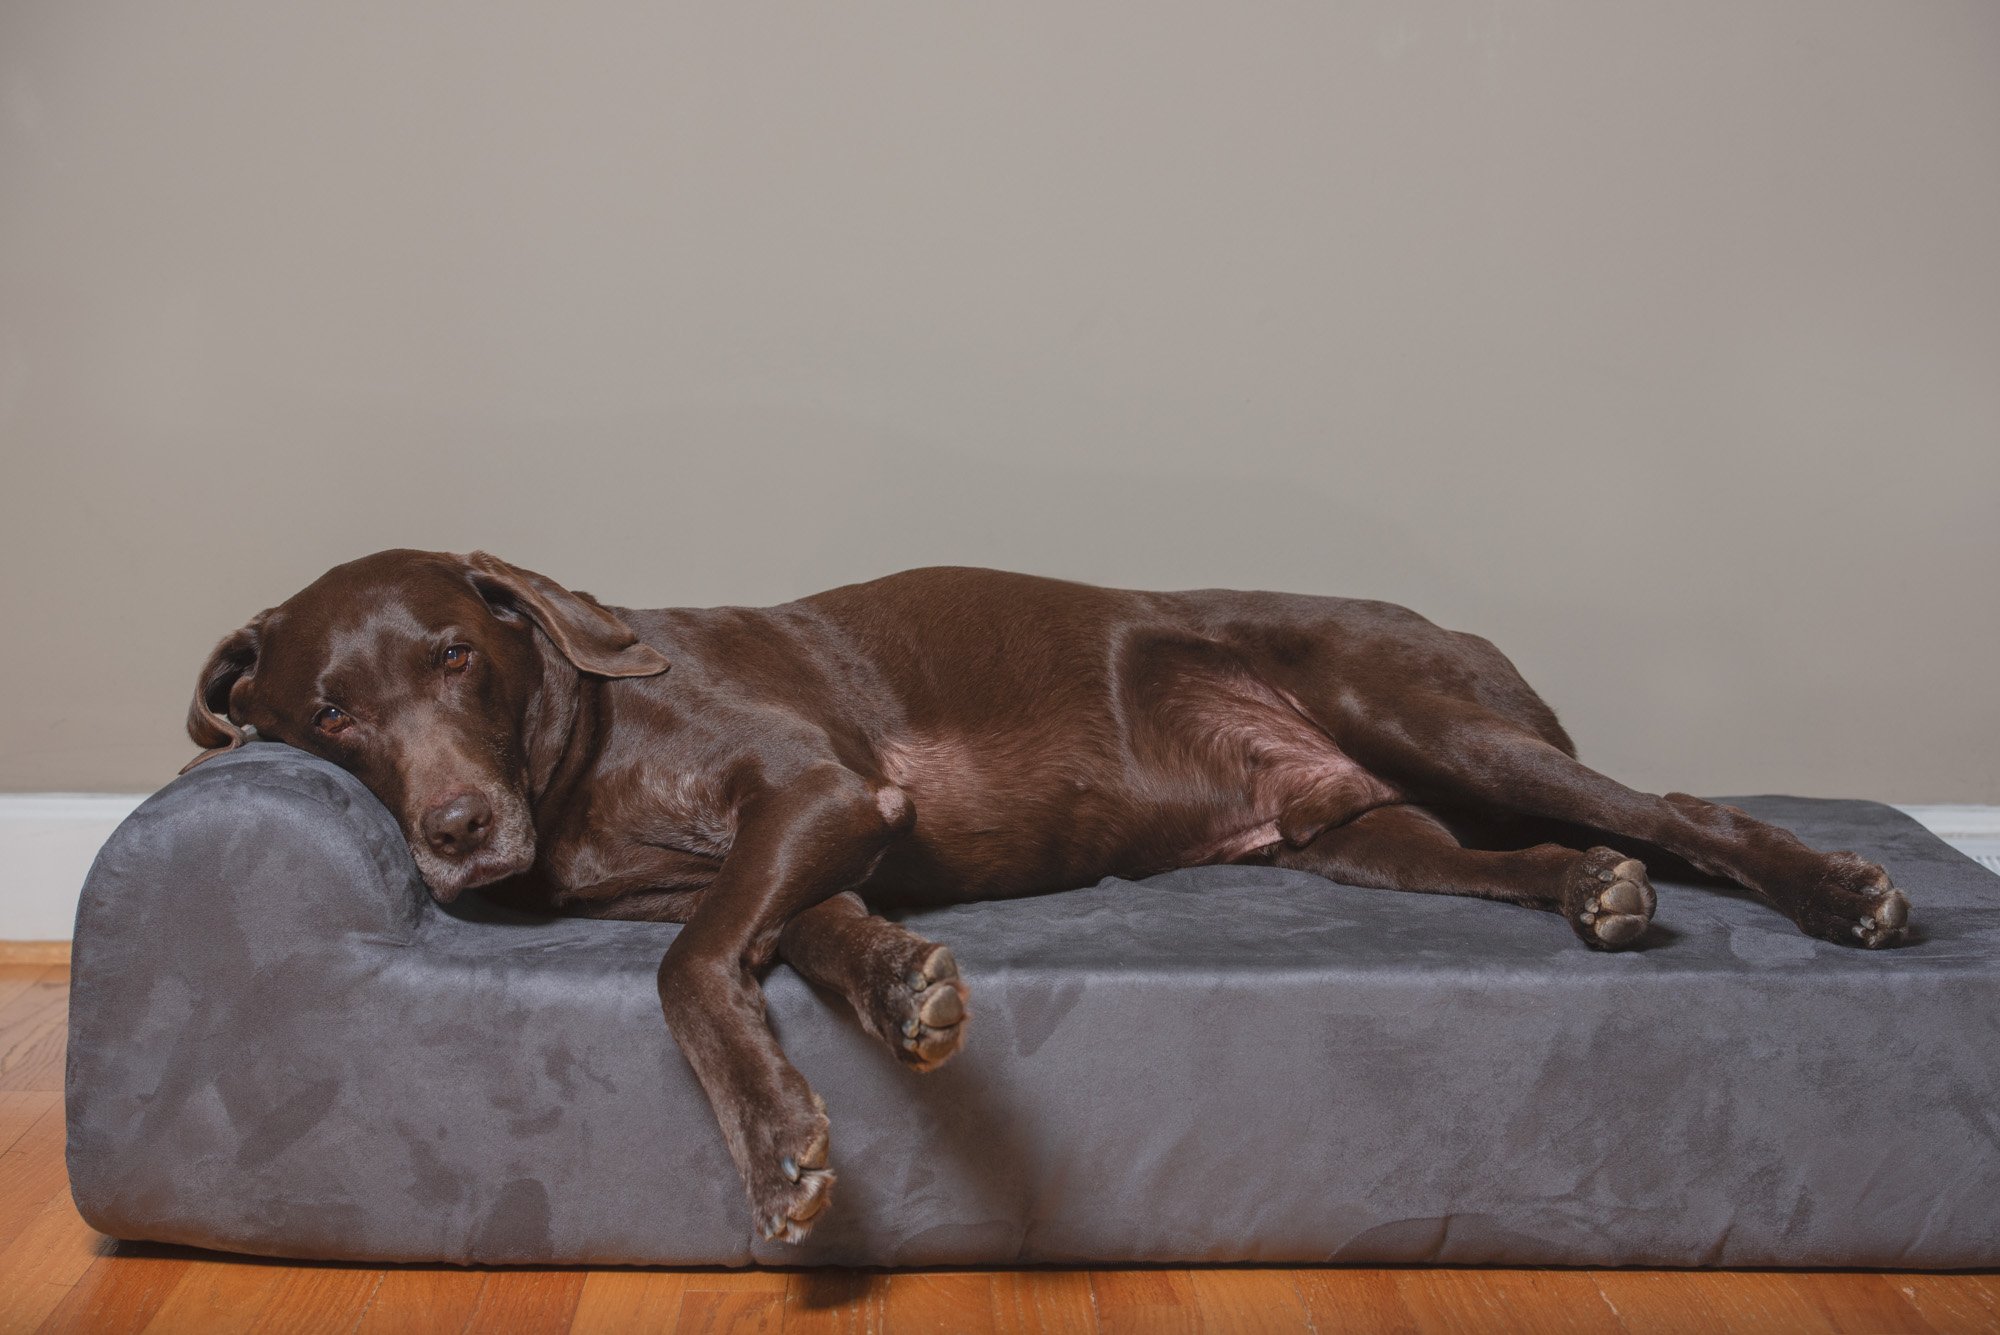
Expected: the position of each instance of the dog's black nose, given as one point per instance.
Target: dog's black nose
(459, 826)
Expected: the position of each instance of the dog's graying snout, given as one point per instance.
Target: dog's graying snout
(459, 826)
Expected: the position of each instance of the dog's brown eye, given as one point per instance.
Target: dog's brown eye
(456, 657)
(331, 720)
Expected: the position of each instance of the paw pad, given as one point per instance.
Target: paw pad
(932, 1010)
(1610, 902)
(786, 1209)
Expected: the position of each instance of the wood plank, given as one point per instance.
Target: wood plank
(217, 1298)
(45, 1260)
(32, 1170)
(417, 1300)
(119, 1294)
(1142, 1302)
(1043, 1300)
(1561, 1302)
(1341, 1301)
(740, 1311)
(19, 1110)
(528, 1302)
(835, 1302)
(316, 1299)
(34, 1033)
(1461, 1300)
(28, 1303)
(220, 1295)
(1952, 1302)
(1858, 1301)
(1256, 1302)
(750, 1279)
(917, 1302)
(18, 978)
(1655, 1300)
(615, 1301)
(1566, 1302)
(1672, 1301)
(43, 953)
(263, 1296)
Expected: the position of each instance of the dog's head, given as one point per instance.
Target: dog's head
(423, 674)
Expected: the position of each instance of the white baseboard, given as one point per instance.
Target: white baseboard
(1973, 831)
(48, 840)
(47, 843)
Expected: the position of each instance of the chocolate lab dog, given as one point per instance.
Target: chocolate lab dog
(767, 776)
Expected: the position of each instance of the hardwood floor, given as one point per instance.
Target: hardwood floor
(56, 1274)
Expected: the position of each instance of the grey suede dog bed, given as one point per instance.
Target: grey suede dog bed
(279, 1044)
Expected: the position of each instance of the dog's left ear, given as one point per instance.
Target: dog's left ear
(577, 624)
(228, 670)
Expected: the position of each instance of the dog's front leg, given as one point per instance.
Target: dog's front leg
(797, 843)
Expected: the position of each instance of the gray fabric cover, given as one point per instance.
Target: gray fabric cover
(279, 1044)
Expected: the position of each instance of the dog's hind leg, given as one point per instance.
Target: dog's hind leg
(1604, 894)
(905, 990)
(1451, 750)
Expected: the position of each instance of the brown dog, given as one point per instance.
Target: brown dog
(763, 775)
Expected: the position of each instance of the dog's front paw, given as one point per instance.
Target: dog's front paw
(1608, 900)
(1854, 904)
(789, 1182)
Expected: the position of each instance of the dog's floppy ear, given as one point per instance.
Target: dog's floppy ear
(588, 636)
(227, 669)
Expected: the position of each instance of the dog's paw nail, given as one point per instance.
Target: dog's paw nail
(912, 1027)
(914, 981)
(791, 1168)
(1883, 924)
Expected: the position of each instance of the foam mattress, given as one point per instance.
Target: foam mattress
(280, 1045)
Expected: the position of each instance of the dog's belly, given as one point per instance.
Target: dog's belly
(1226, 778)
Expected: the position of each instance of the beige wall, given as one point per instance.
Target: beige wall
(1659, 343)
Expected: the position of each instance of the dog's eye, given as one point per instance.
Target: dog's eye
(456, 657)
(331, 720)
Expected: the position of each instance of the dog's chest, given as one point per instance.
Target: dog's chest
(665, 832)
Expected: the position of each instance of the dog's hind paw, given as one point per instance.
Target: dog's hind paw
(923, 1011)
(1608, 900)
(1885, 919)
(1855, 905)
